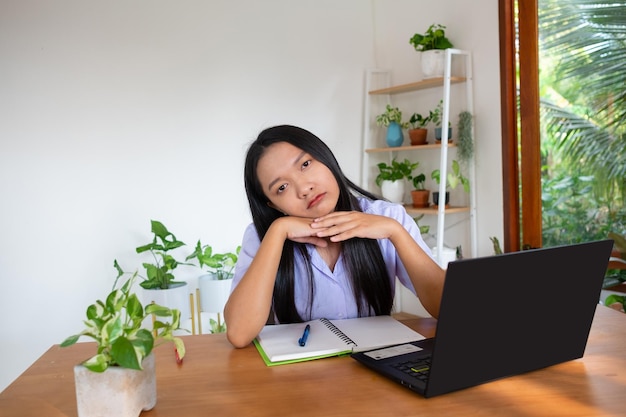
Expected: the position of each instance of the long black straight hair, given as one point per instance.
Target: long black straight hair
(371, 285)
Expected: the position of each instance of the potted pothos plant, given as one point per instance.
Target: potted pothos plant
(214, 285)
(432, 44)
(418, 132)
(454, 177)
(123, 365)
(433, 38)
(391, 178)
(391, 118)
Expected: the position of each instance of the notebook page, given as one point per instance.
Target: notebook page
(280, 341)
(376, 331)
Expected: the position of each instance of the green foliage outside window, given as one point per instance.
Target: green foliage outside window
(583, 137)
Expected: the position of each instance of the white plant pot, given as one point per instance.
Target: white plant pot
(448, 255)
(213, 293)
(119, 392)
(433, 62)
(393, 190)
(177, 296)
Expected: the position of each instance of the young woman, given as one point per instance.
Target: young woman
(320, 246)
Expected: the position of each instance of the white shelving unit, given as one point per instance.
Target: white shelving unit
(378, 84)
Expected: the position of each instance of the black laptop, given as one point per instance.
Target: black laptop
(502, 315)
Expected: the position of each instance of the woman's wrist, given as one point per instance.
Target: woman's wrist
(277, 230)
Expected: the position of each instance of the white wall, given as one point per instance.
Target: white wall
(115, 113)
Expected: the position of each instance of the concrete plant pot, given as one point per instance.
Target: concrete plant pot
(119, 392)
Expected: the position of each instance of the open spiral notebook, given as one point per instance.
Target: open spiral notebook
(278, 343)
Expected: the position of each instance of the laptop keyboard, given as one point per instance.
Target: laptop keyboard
(418, 368)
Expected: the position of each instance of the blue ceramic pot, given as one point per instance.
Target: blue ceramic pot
(394, 134)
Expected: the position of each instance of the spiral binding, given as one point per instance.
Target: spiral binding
(341, 335)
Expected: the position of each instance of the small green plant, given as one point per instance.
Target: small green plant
(220, 264)
(434, 38)
(436, 115)
(418, 181)
(497, 250)
(391, 114)
(396, 171)
(160, 273)
(454, 177)
(418, 121)
(217, 327)
(115, 325)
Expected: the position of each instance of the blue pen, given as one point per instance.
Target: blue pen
(305, 335)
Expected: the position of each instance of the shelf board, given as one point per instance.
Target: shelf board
(409, 148)
(433, 210)
(419, 85)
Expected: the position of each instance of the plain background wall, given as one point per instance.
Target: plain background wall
(115, 113)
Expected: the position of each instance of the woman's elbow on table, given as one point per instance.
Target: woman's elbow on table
(238, 339)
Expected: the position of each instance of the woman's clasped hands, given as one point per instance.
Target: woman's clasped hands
(339, 226)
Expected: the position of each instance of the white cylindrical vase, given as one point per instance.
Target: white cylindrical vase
(393, 190)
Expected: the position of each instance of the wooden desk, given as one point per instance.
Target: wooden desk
(218, 380)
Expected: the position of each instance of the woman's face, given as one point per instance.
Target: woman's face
(296, 183)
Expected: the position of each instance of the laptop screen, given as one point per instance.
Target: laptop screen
(512, 313)
(504, 315)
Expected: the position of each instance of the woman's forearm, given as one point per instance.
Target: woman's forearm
(425, 274)
(248, 306)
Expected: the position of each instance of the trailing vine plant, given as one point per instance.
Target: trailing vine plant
(465, 142)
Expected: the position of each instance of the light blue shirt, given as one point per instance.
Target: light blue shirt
(333, 294)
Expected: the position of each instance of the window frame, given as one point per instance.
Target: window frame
(521, 171)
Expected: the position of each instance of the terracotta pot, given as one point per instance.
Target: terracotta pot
(420, 198)
(418, 136)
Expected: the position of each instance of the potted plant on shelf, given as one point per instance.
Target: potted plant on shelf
(432, 45)
(419, 194)
(120, 379)
(391, 178)
(418, 132)
(392, 120)
(454, 178)
(159, 284)
(214, 285)
(436, 116)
